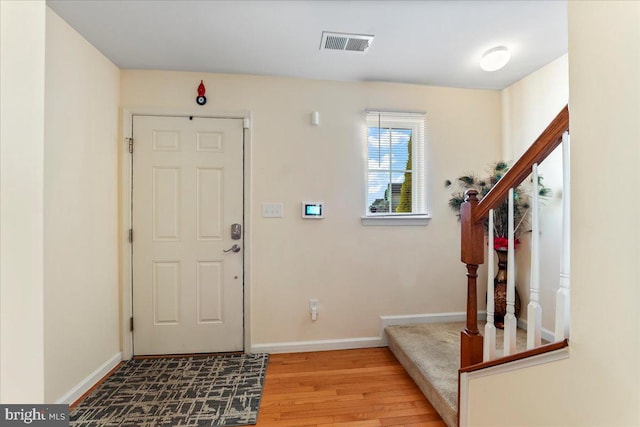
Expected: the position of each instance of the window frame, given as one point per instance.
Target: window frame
(400, 120)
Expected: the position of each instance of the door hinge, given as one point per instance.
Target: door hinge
(131, 324)
(130, 145)
(131, 235)
(246, 123)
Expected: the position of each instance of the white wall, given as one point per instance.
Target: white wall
(81, 209)
(22, 67)
(528, 106)
(358, 272)
(598, 384)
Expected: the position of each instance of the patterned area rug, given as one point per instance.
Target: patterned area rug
(177, 391)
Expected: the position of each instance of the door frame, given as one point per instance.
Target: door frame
(125, 214)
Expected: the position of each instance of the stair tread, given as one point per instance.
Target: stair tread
(430, 353)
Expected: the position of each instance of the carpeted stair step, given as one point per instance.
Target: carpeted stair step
(430, 352)
(431, 355)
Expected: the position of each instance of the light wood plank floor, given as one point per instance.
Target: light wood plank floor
(349, 388)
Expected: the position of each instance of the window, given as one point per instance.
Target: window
(395, 166)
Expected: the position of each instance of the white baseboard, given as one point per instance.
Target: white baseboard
(85, 385)
(364, 342)
(323, 345)
(406, 319)
(547, 335)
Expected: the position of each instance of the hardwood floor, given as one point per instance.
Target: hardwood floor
(349, 388)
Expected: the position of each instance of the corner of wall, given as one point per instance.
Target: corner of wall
(80, 226)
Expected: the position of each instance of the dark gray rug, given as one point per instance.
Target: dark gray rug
(177, 391)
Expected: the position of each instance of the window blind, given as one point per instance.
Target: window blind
(395, 163)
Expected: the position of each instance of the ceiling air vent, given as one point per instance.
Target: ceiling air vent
(345, 41)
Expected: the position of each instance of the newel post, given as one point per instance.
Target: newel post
(472, 255)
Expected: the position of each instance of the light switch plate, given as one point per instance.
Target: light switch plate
(272, 210)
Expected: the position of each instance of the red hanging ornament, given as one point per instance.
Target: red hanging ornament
(201, 99)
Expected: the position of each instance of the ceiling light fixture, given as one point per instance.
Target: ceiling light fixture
(495, 58)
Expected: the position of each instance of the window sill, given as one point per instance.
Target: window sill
(396, 220)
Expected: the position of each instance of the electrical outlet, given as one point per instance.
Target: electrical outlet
(314, 305)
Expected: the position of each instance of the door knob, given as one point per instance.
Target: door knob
(234, 249)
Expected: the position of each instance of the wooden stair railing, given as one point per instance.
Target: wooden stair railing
(473, 213)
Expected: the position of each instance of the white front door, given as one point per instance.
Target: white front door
(187, 194)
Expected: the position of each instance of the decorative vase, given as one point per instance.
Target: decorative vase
(500, 290)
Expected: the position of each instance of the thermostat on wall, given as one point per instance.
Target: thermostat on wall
(314, 210)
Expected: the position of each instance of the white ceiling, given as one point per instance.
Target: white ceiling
(425, 42)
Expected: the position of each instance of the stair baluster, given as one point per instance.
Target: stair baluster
(534, 309)
(490, 327)
(510, 321)
(562, 296)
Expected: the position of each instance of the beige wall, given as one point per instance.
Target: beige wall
(358, 272)
(528, 106)
(22, 47)
(81, 210)
(598, 384)
(58, 206)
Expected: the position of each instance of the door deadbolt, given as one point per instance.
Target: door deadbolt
(236, 231)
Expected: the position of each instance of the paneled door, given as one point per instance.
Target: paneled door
(187, 266)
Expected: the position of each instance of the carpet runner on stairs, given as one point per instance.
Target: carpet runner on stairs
(430, 352)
